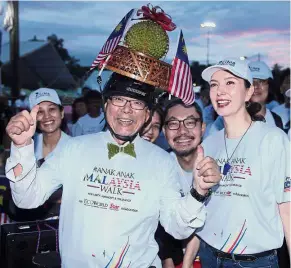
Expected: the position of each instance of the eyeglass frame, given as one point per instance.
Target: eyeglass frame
(196, 120)
(126, 101)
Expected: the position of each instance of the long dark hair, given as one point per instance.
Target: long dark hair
(252, 107)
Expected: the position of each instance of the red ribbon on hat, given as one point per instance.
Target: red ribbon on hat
(158, 15)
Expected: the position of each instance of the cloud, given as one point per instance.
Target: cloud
(243, 28)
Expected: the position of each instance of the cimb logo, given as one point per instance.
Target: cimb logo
(227, 62)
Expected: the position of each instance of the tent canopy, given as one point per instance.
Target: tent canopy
(39, 66)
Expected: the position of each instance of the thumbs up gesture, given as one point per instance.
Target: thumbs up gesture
(206, 172)
(22, 126)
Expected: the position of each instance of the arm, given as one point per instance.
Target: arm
(31, 187)
(168, 263)
(284, 209)
(181, 216)
(280, 173)
(191, 252)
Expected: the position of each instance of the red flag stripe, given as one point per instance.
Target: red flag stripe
(190, 94)
(181, 77)
(185, 84)
(173, 83)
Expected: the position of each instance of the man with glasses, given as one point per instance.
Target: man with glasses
(116, 186)
(183, 129)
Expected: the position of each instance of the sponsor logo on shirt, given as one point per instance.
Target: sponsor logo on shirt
(93, 203)
(287, 184)
(222, 193)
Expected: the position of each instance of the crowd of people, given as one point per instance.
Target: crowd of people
(124, 198)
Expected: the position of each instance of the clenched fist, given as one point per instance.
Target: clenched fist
(206, 172)
(21, 127)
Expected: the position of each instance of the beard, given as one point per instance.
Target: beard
(184, 152)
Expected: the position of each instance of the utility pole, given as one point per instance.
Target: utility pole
(14, 51)
(208, 36)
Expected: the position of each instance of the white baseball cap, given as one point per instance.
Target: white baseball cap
(236, 66)
(43, 94)
(260, 70)
(287, 93)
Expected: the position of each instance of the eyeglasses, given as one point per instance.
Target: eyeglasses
(121, 102)
(189, 123)
(259, 82)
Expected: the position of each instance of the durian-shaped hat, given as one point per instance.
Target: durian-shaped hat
(136, 46)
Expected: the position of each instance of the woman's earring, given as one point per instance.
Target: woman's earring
(248, 103)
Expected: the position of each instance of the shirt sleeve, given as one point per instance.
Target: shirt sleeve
(179, 216)
(279, 163)
(34, 185)
(77, 130)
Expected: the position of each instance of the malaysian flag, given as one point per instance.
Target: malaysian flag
(181, 85)
(112, 41)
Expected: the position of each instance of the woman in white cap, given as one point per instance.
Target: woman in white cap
(249, 211)
(263, 83)
(49, 120)
(50, 138)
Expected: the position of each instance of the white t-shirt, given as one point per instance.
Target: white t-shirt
(218, 124)
(186, 177)
(110, 207)
(283, 112)
(38, 145)
(242, 213)
(88, 125)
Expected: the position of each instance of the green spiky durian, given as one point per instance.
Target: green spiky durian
(149, 38)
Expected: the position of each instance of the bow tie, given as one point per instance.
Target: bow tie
(114, 149)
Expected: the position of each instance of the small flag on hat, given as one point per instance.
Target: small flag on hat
(181, 85)
(112, 41)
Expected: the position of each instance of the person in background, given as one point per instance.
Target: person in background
(248, 213)
(79, 109)
(263, 81)
(22, 102)
(283, 110)
(93, 121)
(152, 130)
(50, 138)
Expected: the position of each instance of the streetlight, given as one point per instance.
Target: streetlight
(209, 26)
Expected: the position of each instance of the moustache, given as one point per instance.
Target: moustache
(184, 137)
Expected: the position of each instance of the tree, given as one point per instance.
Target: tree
(71, 62)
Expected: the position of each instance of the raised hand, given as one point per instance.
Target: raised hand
(21, 127)
(206, 172)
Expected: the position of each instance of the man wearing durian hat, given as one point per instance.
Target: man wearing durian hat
(116, 186)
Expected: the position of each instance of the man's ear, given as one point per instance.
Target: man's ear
(63, 114)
